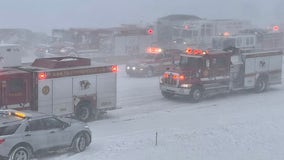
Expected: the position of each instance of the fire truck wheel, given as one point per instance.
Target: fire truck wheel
(260, 85)
(83, 113)
(167, 95)
(196, 94)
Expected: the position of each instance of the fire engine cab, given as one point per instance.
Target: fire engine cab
(155, 62)
(60, 86)
(204, 73)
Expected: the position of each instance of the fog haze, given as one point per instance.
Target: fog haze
(44, 15)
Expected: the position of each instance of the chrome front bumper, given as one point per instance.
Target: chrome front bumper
(175, 90)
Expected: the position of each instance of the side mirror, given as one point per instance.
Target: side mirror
(207, 63)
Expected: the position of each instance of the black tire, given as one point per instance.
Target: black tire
(167, 95)
(20, 153)
(83, 112)
(260, 85)
(79, 143)
(196, 94)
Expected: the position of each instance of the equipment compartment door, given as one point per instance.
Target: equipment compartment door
(62, 96)
(106, 91)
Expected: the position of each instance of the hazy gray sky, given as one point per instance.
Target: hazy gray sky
(43, 15)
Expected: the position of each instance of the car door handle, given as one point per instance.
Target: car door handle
(52, 132)
(28, 135)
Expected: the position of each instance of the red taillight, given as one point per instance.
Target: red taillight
(166, 75)
(114, 68)
(42, 76)
(2, 141)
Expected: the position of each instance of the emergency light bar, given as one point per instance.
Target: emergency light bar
(196, 51)
(11, 112)
(154, 50)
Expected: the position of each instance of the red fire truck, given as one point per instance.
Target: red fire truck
(155, 62)
(60, 86)
(204, 73)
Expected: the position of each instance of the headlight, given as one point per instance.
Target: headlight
(185, 85)
(134, 68)
(161, 80)
(127, 67)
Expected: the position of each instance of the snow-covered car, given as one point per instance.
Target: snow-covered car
(55, 51)
(22, 134)
(155, 62)
(41, 50)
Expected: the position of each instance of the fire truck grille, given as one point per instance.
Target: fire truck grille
(170, 80)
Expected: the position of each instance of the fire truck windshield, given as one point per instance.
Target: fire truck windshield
(223, 43)
(191, 62)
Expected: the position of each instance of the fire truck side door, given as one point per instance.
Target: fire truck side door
(45, 91)
(62, 96)
(166, 62)
(15, 91)
(220, 67)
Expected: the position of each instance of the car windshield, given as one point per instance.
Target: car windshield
(191, 62)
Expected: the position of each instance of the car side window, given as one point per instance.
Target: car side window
(8, 130)
(34, 125)
(52, 123)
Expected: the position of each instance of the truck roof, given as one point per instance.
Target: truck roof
(61, 63)
(11, 71)
(263, 53)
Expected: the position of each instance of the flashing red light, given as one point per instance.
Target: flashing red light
(150, 31)
(275, 28)
(196, 51)
(188, 50)
(2, 141)
(186, 27)
(226, 34)
(166, 75)
(42, 76)
(153, 50)
(181, 77)
(114, 68)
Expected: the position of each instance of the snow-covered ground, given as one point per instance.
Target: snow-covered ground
(237, 126)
